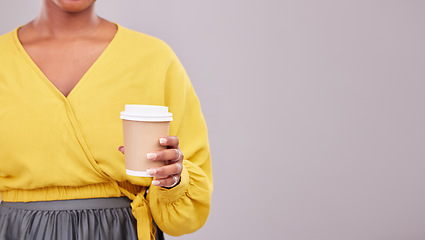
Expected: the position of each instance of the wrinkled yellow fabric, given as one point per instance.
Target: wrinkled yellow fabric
(55, 147)
(140, 210)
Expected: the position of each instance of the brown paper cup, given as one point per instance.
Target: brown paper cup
(143, 125)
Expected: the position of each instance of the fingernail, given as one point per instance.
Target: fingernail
(118, 148)
(179, 167)
(151, 156)
(163, 140)
(151, 171)
(155, 182)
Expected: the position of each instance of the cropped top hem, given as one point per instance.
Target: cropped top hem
(101, 190)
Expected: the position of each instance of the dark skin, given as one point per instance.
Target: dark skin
(64, 41)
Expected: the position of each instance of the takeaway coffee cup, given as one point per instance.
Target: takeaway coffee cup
(143, 125)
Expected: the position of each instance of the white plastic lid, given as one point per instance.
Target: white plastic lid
(146, 113)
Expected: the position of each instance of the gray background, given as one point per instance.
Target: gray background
(315, 110)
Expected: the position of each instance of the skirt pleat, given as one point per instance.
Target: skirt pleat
(51, 220)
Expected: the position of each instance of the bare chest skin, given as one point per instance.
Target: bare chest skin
(64, 61)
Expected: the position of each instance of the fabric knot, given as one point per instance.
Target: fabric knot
(141, 211)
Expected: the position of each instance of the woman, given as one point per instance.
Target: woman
(64, 79)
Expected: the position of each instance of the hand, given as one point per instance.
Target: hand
(168, 175)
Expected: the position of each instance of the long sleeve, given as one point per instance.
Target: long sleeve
(184, 208)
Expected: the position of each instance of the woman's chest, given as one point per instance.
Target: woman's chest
(65, 63)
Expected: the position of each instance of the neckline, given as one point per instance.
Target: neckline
(81, 81)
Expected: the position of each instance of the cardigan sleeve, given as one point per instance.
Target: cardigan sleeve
(184, 208)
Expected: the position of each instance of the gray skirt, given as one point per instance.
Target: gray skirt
(82, 219)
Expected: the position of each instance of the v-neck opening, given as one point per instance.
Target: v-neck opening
(86, 74)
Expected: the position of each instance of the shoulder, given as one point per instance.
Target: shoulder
(141, 42)
(6, 39)
(8, 47)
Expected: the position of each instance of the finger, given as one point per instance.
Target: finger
(121, 149)
(169, 141)
(170, 181)
(166, 171)
(172, 154)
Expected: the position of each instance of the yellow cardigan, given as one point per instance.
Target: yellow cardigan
(55, 147)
